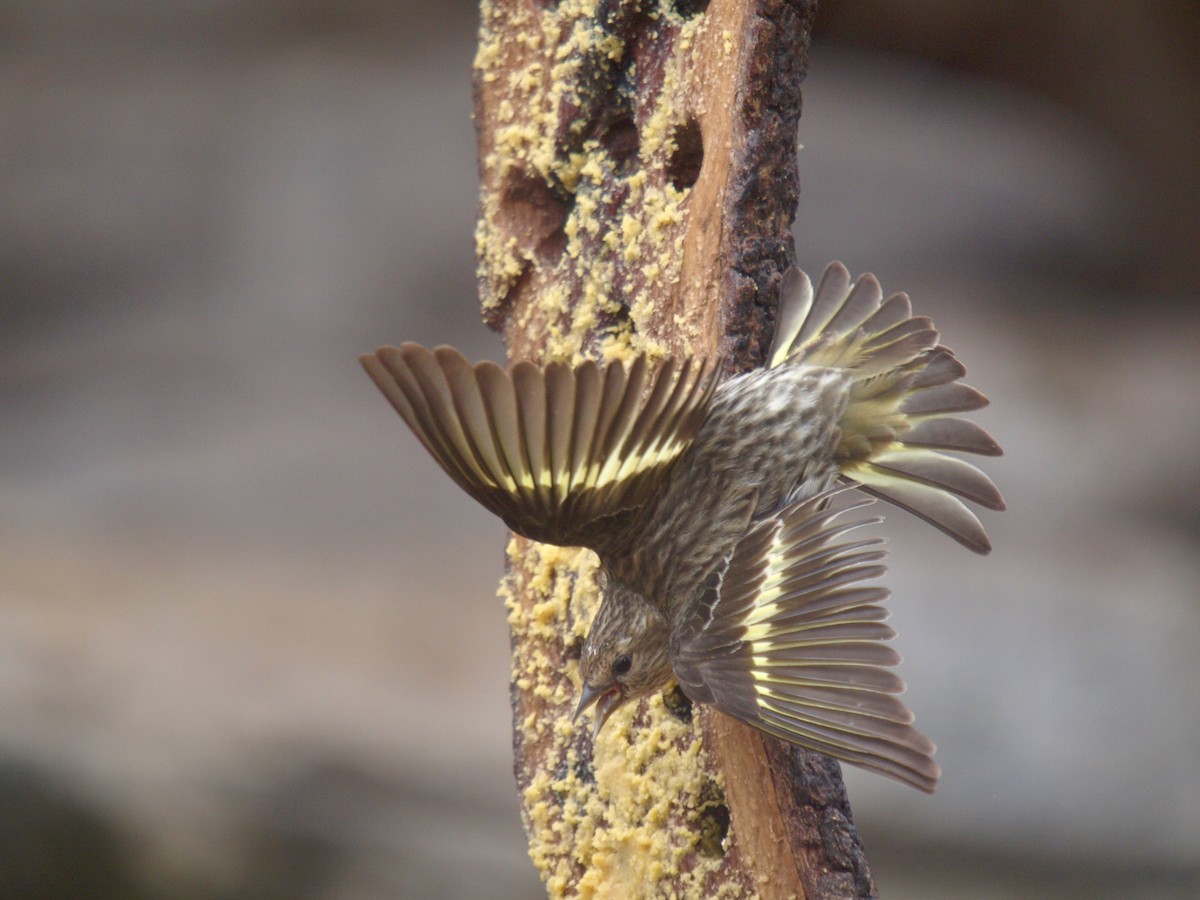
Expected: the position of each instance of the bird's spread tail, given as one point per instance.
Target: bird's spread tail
(904, 396)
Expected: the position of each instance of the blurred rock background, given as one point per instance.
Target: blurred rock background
(248, 640)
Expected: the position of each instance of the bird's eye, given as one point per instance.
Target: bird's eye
(622, 665)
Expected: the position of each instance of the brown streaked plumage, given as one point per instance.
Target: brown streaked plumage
(715, 507)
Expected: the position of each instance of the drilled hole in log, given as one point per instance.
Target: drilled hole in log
(678, 704)
(689, 8)
(684, 166)
(533, 213)
(553, 244)
(620, 139)
(574, 650)
(616, 320)
(712, 821)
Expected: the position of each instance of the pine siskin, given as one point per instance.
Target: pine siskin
(717, 505)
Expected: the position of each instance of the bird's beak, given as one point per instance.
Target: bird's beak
(605, 699)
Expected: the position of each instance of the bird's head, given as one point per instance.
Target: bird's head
(625, 655)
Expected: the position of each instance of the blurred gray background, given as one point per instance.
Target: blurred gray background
(249, 644)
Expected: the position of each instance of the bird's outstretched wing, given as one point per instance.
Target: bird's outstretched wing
(787, 639)
(554, 450)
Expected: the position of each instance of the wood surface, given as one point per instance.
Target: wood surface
(638, 185)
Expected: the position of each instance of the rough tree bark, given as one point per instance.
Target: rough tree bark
(638, 166)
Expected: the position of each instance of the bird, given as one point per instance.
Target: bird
(721, 505)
